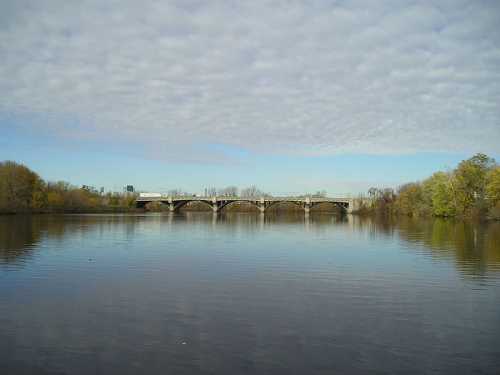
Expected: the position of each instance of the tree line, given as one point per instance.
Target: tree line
(233, 191)
(472, 189)
(248, 192)
(22, 190)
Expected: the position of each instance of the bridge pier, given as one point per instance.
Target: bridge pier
(215, 205)
(261, 205)
(352, 206)
(307, 205)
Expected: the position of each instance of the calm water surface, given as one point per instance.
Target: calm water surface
(196, 293)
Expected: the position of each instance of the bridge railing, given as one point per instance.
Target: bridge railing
(236, 198)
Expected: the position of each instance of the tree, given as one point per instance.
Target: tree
(18, 186)
(410, 200)
(438, 194)
(382, 200)
(250, 192)
(319, 194)
(230, 191)
(55, 199)
(469, 183)
(176, 193)
(493, 186)
(211, 192)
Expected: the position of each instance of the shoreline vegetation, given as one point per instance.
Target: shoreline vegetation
(25, 192)
(471, 190)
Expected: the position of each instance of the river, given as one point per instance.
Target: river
(241, 293)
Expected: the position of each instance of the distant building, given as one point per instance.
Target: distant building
(128, 189)
(90, 189)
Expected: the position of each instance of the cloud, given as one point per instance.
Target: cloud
(264, 76)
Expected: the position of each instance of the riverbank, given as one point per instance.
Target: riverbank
(244, 208)
(492, 215)
(106, 210)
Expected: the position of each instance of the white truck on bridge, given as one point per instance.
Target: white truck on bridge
(149, 195)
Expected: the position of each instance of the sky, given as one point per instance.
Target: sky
(291, 96)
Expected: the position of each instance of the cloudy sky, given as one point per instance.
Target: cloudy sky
(293, 96)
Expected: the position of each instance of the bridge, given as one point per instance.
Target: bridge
(347, 205)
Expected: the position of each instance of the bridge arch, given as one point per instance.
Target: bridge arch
(343, 206)
(179, 204)
(275, 203)
(246, 201)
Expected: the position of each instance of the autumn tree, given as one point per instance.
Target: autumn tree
(493, 192)
(19, 186)
(493, 185)
(409, 199)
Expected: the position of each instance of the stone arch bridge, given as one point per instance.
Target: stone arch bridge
(263, 203)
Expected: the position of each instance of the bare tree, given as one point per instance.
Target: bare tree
(177, 193)
(253, 192)
(211, 192)
(319, 194)
(230, 191)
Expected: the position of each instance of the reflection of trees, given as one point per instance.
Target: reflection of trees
(18, 234)
(256, 219)
(474, 245)
(375, 226)
(236, 222)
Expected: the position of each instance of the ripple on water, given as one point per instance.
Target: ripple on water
(229, 294)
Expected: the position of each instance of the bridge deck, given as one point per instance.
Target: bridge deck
(262, 203)
(240, 199)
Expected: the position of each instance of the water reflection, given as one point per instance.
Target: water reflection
(247, 293)
(20, 234)
(474, 246)
(17, 236)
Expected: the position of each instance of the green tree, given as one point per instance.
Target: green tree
(439, 194)
(493, 192)
(493, 186)
(469, 183)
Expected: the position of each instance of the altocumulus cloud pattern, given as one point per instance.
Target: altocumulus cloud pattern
(286, 77)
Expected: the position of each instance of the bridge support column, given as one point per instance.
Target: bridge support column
(261, 204)
(307, 206)
(171, 207)
(215, 205)
(352, 206)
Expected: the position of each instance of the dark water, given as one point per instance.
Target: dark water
(237, 294)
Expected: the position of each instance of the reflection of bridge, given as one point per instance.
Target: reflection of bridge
(218, 203)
